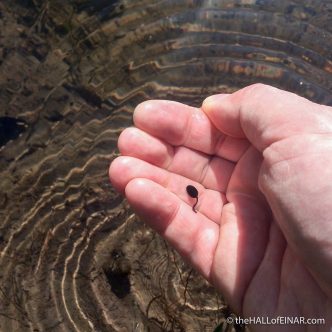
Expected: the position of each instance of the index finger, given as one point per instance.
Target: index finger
(182, 125)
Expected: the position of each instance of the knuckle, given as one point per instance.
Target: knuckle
(259, 89)
(257, 94)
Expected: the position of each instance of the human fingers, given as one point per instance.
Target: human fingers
(212, 172)
(193, 235)
(125, 169)
(181, 125)
(264, 114)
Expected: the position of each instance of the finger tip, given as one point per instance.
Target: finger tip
(122, 139)
(142, 110)
(125, 140)
(142, 191)
(211, 102)
(207, 102)
(137, 194)
(224, 114)
(134, 186)
(152, 202)
(116, 173)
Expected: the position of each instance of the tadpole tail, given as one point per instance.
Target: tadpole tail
(195, 205)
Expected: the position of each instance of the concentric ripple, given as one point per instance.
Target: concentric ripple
(73, 255)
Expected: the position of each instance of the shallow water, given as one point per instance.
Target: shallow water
(73, 255)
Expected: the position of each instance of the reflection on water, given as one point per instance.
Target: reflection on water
(73, 256)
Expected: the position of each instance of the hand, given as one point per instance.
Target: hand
(261, 161)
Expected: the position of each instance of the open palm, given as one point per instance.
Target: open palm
(245, 238)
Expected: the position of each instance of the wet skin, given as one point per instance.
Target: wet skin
(261, 160)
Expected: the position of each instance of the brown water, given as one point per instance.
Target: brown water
(73, 255)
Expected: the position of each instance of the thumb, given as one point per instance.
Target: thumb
(264, 114)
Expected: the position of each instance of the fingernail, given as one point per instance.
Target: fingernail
(214, 99)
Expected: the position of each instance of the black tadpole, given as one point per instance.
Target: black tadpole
(193, 192)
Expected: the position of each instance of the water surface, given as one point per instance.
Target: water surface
(73, 255)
